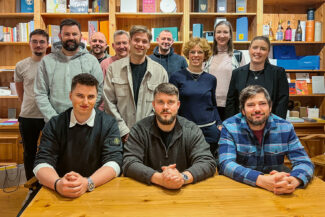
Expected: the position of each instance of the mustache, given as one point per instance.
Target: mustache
(165, 111)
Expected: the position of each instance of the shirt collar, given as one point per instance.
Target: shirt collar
(90, 122)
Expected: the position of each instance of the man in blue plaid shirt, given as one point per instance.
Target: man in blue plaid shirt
(254, 142)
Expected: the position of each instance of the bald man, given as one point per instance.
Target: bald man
(98, 45)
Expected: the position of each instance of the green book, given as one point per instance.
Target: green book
(156, 32)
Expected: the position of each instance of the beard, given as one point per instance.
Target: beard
(38, 54)
(98, 50)
(257, 122)
(72, 47)
(164, 49)
(163, 121)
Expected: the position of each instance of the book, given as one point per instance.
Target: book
(156, 31)
(295, 120)
(209, 36)
(148, 6)
(241, 6)
(56, 6)
(129, 6)
(92, 27)
(292, 88)
(301, 87)
(242, 29)
(201, 6)
(85, 38)
(221, 6)
(318, 84)
(219, 19)
(79, 6)
(197, 30)
(53, 31)
(18, 6)
(27, 6)
(168, 6)
(104, 28)
(1, 33)
(100, 6)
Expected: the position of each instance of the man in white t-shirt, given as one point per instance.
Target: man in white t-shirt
(31, 120)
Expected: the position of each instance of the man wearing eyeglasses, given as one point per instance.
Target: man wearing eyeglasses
(31, 120)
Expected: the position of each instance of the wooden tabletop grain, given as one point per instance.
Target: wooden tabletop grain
(217, 196)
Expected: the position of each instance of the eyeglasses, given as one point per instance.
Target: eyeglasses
(199, 52)
(41, 42)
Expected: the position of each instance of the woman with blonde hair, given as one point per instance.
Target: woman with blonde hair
(197, 91)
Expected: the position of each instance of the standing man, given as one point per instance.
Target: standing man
(164, 53)
(31, 121)
(56, 70)
(80, 149)
(130, 82)
(254, 142)
(166, 149)
(121, 45)
(98, 45)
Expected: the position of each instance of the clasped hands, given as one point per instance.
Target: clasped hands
(278, 182)
(72, 185)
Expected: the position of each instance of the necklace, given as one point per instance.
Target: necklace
(256, 74)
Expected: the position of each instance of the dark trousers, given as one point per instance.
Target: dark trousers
(30, 129)
(221, 111)
(212, 135)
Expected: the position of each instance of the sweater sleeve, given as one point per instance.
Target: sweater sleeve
(227, 160)
(203, 164)
(214, 102)
(134, 154)
(48, 151)
(42, 92)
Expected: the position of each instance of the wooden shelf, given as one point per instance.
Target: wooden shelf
(305, 71)
(8, 97)
(212, 15)
(293, 2)
(75, 15)
(148, 15)
(308, 124)
(14, 43)
(7, 68)
(297, 42)
(16, 15)
(310, 95)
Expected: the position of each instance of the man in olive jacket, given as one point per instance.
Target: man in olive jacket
(166, 149)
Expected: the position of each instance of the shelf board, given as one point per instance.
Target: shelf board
(293, 2)
(75, 15)
(14, 43)
(7, 68)
(16, 15)
(305, 71)
(297, 42)
(308, 124)
(148, 15)
(310, 95)
(8, 97)
(209, 15)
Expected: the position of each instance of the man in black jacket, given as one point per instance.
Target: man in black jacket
(80, 149)
(165, 56)
(166, 149)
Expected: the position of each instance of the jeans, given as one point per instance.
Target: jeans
(30, 129)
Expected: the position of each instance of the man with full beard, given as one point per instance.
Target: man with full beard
(98, 46)
(56, 70)
(30, 119)
(254, 143)
(166, 149)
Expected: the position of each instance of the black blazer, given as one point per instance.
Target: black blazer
(276, 84)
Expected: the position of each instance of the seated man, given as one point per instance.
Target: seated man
(80, 148)
(166, 149)
(254, 142)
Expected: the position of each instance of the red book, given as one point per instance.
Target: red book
(292, 88)
(301, 87)
(148, 6)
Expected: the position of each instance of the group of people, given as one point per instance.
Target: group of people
(158, 119)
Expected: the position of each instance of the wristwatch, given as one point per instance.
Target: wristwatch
(185, 178)
(91, 185)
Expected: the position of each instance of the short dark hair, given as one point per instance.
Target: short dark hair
(166, 88)
(84, 79)
(39, 32)
(142, 29)
(251, 91)
(69, 22)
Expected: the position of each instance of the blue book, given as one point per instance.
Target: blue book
(197, 30)
(79, 6)
(27, 6)
(242, 29)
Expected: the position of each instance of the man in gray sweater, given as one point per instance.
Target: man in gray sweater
(56, 70)
(166, 149)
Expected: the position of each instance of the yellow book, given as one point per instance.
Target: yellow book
(104, 28)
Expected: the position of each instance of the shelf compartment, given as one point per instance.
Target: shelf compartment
(16, 15)
(227, 15)
(75, 15)
(120, 15)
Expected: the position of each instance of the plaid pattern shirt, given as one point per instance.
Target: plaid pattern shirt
(243, 159)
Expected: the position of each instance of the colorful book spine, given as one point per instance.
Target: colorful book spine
(148, 6)
(56, 6)
(104, 28)
(27, 6)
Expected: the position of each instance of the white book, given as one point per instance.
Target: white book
(318, 84)
(303, 28)
(56, 6)
(129, 6)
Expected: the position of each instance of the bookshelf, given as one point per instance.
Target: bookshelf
(259, 12)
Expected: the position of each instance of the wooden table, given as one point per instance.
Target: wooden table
(218, 196)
